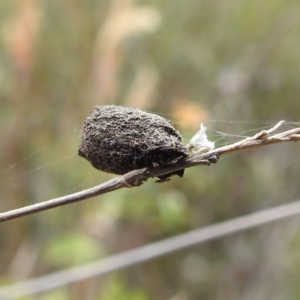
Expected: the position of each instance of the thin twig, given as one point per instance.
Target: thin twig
(137, 177)
(148, 252)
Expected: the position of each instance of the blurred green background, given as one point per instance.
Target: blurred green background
(190, 61)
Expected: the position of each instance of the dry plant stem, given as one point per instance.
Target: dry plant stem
(262, 138)
(147, 252)
(137, 177)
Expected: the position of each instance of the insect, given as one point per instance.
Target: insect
(117, 139)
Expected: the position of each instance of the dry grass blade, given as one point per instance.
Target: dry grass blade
(137, 177)
(148, 252)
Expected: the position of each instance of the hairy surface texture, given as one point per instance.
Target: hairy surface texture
(118, 139)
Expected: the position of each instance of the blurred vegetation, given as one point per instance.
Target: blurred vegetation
(190, 61)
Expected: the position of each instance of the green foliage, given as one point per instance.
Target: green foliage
(71, 249)
(118, 288)
(190, 61)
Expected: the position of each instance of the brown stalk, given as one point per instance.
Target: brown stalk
(137, 177)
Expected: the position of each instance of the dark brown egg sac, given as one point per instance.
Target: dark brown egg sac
(118, 139)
